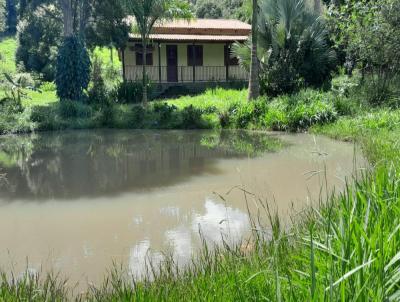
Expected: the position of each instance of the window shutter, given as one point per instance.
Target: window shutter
(195, 55)
(139, 56)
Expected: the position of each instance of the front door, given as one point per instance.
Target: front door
(172, 63)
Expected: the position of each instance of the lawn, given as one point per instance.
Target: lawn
(220, 99)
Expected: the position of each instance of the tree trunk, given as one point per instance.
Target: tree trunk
(317, 7)
(144, 80)
(254, 87)
(68, 20)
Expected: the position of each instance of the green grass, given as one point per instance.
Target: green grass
(220, 99)
(8, 47)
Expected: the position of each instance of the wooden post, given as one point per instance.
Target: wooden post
(194, 61)
(227, 56)
(159, 62)
(123, 63)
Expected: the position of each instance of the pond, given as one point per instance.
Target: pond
(77, 201)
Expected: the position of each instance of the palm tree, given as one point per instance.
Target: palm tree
(254, 87)
(146, 14)
(292, 46)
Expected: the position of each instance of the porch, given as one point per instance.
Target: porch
(187, 74)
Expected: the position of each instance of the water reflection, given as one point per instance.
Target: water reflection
(79, 164)
(179, 172)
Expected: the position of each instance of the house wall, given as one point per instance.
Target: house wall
(213, 68)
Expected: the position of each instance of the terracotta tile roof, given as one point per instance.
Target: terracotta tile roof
(205, 24)
(203, 27)
(196, 37)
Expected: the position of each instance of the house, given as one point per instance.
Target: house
(182, 52)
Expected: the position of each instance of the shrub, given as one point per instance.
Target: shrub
(107, 112)
(97, 92)
(47, 87)
(164, 114)
(73, 69)
(130, 92)
(74, 109)
(276, 117)
(191, 118)
(138, 116)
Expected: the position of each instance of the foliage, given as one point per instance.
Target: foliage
(108, 27)
(2, 16)
(191, 118)
(73, 69)
(346, 249)
(97, 91)
(294, 49)
(73, 109)
(369, 32)
(208, 9)
(39, 36)
(130, 92)
(11, 16)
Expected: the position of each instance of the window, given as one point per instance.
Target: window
(195, 55)
(229, 60)
(139, 54)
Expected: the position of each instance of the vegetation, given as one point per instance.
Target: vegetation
(73, 69)
(347, 249)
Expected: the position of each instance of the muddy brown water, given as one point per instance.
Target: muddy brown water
(77, 201)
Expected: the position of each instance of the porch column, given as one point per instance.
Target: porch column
(159, 62)
(194, 61)
(227, 56)
(123, 64)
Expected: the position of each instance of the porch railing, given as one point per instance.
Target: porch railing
(181, 74)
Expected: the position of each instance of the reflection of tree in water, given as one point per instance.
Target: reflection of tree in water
(97, 163)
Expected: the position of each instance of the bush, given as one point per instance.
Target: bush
(97, 91)
(130, 92)
(74, 109)
(48, 87)
(191, 118)
(276, 117)
(73, 69)
(165, 114)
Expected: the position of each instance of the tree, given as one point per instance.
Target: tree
(254, 87)
(208, 9)
(146, 14)
(11, 20)
(73, 61)
(73, 69)
(369, 32)
(293, 47)
(2, 16)
(39, 36)
(107, 27)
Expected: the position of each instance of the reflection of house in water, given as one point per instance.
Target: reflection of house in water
(98, 163)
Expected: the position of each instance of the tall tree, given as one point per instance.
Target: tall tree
(146, 14)
(254, 86)
(2, 16)
(73, 62)
(108, 26)
(11, 20)
(317, 7)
